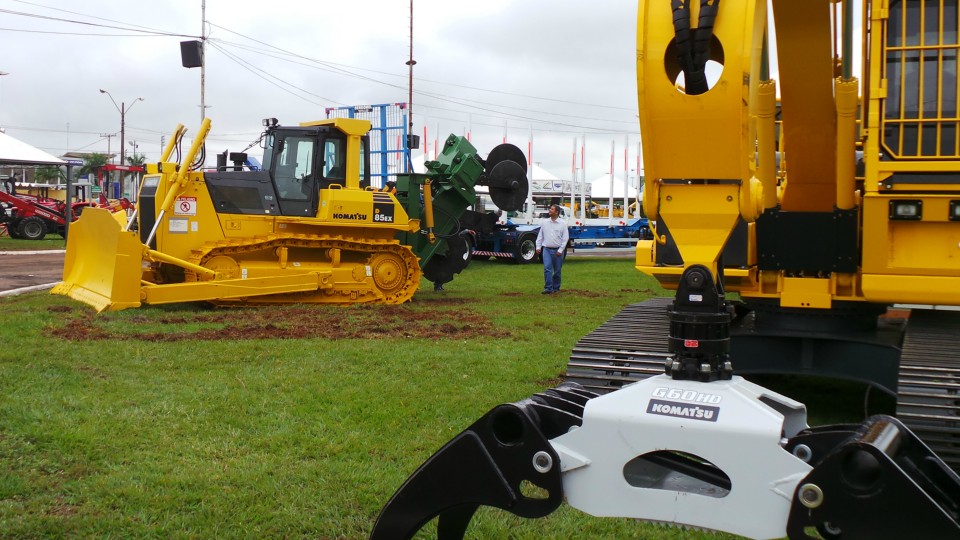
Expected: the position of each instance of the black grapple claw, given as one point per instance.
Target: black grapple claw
(487, 464)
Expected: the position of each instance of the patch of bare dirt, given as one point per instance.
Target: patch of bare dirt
(551, 383)
(645, 291)
(63, 510)
(427, 321)
(81, 329)
(575, 292)
(93, 371)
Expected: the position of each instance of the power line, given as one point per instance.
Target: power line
(457, 101)
(126, 26)
(90, 34)
(341, 67)
(264, 75)
(479, 108)
(462, 101)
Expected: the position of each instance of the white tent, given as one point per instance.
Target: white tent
(543, 181)
(417, 163)
(539, 173)
(600, 188)
(16, 152)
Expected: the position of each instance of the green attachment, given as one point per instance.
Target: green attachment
(454, 177)
(457, 165)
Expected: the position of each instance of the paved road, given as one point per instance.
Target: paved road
(29, 268)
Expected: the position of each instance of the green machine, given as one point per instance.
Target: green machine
(444, 194)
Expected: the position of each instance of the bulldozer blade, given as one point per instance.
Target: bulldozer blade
(102, 266)
(503, 460)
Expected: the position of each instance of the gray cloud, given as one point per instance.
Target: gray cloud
(560, 68)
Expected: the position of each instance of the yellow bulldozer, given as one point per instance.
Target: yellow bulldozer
(307, 228)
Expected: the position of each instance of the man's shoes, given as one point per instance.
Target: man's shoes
(546, 291)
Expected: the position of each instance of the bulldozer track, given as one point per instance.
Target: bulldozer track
(394, 290)
(928, 395)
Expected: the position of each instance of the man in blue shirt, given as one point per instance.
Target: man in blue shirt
(551, 242)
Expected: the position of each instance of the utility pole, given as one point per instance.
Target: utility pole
(410, 63)
(203, 59)
(108, 136)
(123, 120)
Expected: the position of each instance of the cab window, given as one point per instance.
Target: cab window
(294, 165)
(334, 159)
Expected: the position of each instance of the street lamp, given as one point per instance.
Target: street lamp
(123, 120)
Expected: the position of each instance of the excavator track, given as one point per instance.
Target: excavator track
(393, 268)
(629, 347)
(928, 396)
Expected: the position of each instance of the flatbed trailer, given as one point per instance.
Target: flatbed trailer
(518, 242)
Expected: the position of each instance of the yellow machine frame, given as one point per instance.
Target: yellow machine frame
(703, 190)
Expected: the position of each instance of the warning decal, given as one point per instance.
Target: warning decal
(185, 206)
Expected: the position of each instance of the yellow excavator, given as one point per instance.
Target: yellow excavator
(307, 228)
(821, 199)
(809, 225)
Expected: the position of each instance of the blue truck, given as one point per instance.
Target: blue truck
(518, 242)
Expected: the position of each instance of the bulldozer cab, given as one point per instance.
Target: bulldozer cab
(292, 165)
(304, 160)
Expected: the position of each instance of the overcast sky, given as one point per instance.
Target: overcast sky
(561, 69)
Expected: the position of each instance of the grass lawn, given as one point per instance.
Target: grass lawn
(51, 241)
(278, 422)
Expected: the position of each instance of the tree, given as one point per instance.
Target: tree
(136, 160)
(93, 163)
(48, 175)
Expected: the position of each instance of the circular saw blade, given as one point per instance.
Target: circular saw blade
(508, 185)
(506, 152)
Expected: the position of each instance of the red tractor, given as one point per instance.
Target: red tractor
(31, 217)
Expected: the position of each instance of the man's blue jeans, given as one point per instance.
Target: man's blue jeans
(552, 264)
